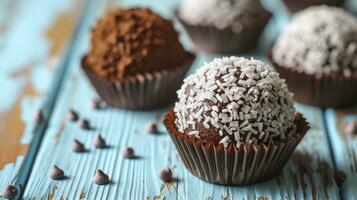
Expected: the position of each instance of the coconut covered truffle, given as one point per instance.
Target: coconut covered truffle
(221, 13)
(126, 42)
(233, 101)
(319, 40)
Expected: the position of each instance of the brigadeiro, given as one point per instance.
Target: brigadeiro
(317, 55)
(297, 5)
(223, 26)
(235, 122)
(136, 60)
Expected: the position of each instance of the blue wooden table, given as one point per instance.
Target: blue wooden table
(41, 43)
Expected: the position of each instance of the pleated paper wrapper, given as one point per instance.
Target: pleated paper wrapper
(143, 91)
(227, 40)
(322, 91)
(245, 165)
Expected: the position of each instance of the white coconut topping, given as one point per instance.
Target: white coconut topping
(319, 40)
(240, 100)
(221, 13)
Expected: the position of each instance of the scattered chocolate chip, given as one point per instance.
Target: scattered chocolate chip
(77, 146)
(351, 127)
(96, 104)
(84, 124)
(339, 176)
(128, 152)
(165, 174)
(151, 127)
(38, 116)
(10, 192)
(56, 173)
(72, 115)
(99, 141)
(100, 178)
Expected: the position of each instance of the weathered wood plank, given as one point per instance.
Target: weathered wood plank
(306, 176)
(344, 147)
(30, 45)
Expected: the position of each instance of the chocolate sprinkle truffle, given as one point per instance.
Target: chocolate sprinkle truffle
(99, 142)
(319, 40)
(84, 124)
(56, 173)
(351, 127)
(100, 178)
(77, 146)
(10, 192)
(151, 127)
(233, 101)
(165, 174)
(128, 152)
(95, 103)
(72, 115)
(126, 42)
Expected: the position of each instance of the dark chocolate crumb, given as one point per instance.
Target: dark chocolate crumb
(84, 124)
(38, 117)
(151, 127)
(340, 177)
(10, 192)
(96, 104)
(56, 173)
(99, 141)
(100, 178)
(351, 127)
(128, 152)
(77, 146)
(72, 115)
(165, 174)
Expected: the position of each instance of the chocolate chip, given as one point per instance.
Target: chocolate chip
(10, 192)
(340, 177)
(84, 124)
(351, 127)
(99, 141)
(165, 174)
(38, 116)
(100, 178)
(56, 173)
(77, 146)
(96, 104)
(72, 115)
(151, 127)
(128, 152)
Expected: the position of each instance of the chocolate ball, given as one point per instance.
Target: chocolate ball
(233, 101)
(126, 42)
(165, 174)
(319, 40)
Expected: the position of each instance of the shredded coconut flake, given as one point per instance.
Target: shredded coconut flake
(319, 40)
(256, 113)
(220, 13)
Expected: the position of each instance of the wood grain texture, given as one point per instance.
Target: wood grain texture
(344, 147)
(24, 64)
(28, 52)
(308, 175)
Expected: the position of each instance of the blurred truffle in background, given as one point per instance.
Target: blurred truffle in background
(317, 54)
(223, 26)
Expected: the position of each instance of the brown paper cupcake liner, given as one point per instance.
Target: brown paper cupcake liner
(247, 164)
(322, 91)
(211, 39)
(143, 91)
(294, 5)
